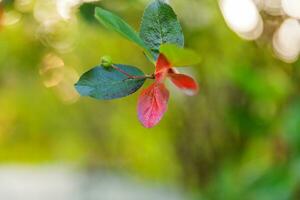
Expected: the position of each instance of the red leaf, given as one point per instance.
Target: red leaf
(152, 104)
(162, 64)
(185, 83)
(162, 67)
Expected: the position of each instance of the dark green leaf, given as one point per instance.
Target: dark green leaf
(86, 11)
(115, 23)
(109, 83)
(160, 25)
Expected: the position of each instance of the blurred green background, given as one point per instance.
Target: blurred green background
(238, 139)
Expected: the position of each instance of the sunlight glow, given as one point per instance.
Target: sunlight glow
(59, 77)
(65, 7)
(11, 18)
(291, 8)
(286, 41)
(242, 16)
(259, 4)
(24, 5)
(272, 7)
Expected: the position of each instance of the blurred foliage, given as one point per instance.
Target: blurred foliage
(239, 139)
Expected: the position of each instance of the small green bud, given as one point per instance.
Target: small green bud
(106, 61)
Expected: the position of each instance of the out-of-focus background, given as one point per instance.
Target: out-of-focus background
(238, 139)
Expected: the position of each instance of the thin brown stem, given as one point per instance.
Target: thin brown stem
(152, 76)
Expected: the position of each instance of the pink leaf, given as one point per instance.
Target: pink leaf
(152, 104)
(185, 83)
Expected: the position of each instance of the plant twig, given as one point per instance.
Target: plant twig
(152, 76)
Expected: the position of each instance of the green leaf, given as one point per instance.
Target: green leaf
(115, 23)
(179, 56)
(109, 83)
(160, 25)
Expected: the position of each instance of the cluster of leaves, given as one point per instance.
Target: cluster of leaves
(162, 41)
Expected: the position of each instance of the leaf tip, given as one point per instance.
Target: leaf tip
(98, 9)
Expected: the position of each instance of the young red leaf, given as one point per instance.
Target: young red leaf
(162, 63)
(152, 104)
(185, 83)
(161, 68)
